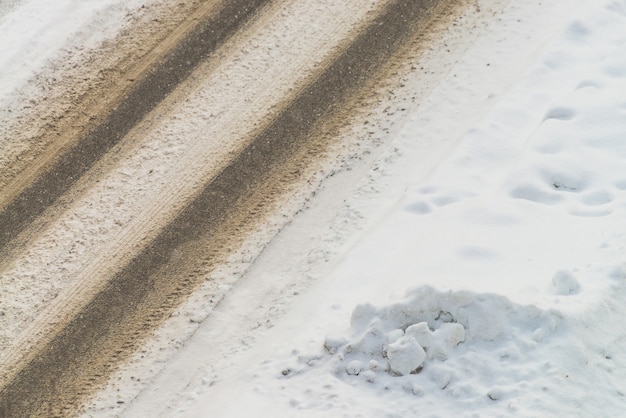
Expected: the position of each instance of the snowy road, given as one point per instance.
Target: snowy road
(133, 173)
(386, 208)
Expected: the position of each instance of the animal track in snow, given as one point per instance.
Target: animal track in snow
(560, 113)
(431, 197)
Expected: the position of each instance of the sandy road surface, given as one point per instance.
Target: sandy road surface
(152, 183)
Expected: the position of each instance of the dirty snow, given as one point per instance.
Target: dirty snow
(34, 32)
(179, 153)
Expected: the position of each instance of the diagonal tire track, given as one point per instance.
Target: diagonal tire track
(160, 81)
(77, 358)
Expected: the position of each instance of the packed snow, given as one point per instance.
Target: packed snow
(476, 270)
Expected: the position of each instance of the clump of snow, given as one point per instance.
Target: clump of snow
(405, 355)
(415, 341)
(565, 283)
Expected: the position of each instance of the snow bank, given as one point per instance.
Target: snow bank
(462, 343)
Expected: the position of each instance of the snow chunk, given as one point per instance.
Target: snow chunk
(332, 344)
(439, 342)
(354, 368)
(405, 355)
(564, 283)
(371, 341)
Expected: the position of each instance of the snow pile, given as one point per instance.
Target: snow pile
(438, 341)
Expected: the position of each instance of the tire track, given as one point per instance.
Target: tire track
(79, 357)
(183, 57)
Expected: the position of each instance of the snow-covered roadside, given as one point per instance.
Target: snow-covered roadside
(513, 244)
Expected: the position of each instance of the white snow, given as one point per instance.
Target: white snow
(475, 269)
(489, 286)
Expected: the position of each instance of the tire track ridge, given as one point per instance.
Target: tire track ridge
(81, 350)
(159, 82)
